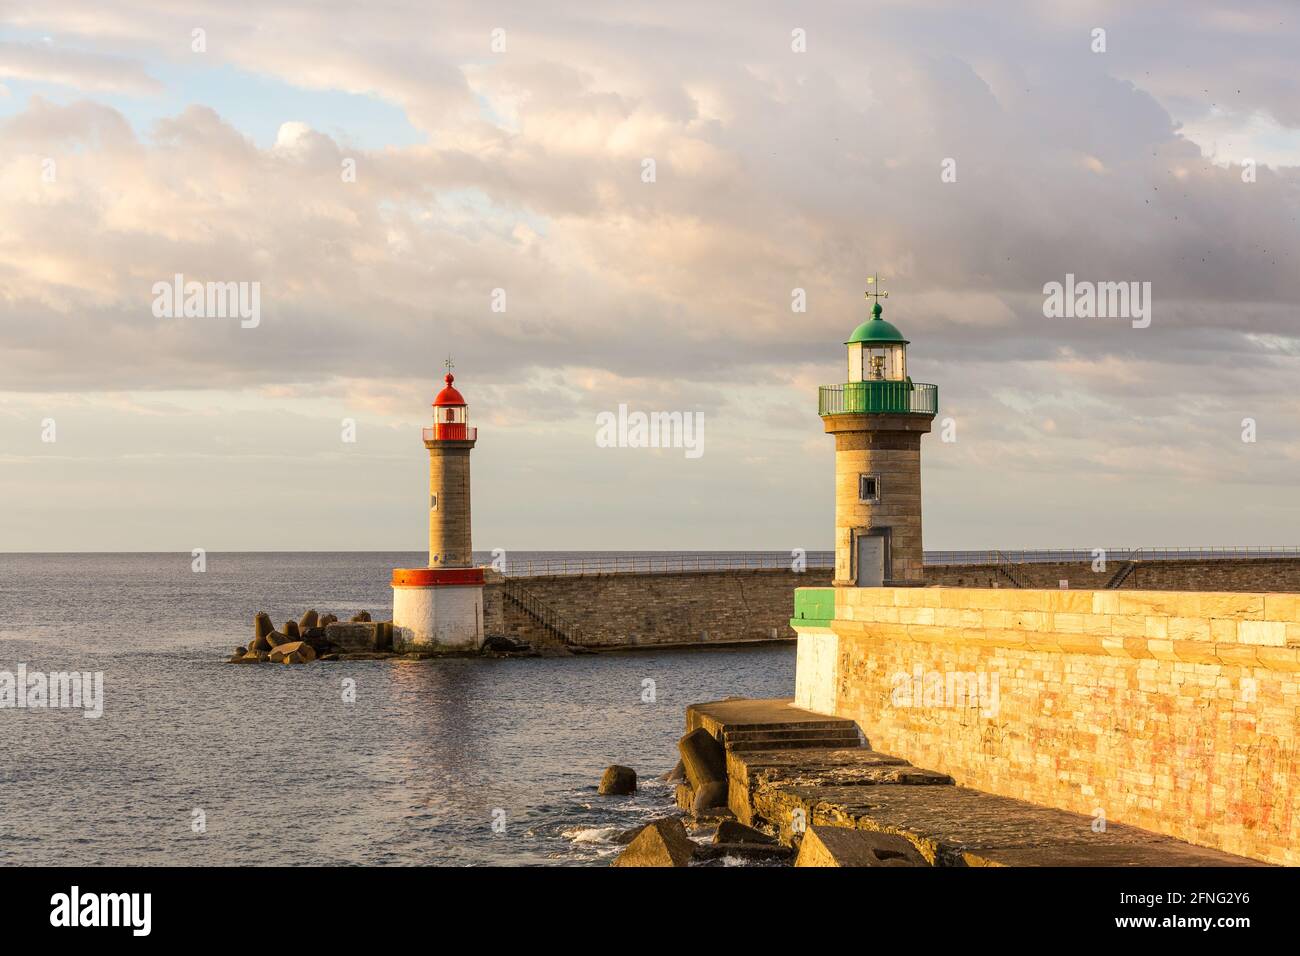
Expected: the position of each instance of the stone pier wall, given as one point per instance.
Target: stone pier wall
(709, 607)
(625, 610)
(1172, 711)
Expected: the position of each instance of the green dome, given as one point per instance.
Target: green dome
(876, 330)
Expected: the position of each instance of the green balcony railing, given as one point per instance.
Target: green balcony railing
(878, 397)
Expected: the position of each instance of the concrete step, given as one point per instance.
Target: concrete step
(749, 746)
(792, 740)
(837, 733)
(830, 723)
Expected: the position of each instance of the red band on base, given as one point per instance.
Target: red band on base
(426, 577)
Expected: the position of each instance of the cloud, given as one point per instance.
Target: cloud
(775, 170)
(87, 72)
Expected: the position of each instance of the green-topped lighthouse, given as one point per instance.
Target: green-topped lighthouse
(878, 417)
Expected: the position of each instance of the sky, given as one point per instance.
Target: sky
(408, 182)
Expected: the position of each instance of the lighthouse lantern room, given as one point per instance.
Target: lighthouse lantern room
(877, 351)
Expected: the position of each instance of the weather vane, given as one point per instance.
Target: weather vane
(448, 365)
(872, 280)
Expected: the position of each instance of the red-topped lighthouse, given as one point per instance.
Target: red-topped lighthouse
(442, 605)
(449, 442)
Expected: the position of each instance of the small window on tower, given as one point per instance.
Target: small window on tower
(868, 488)
(433, 502)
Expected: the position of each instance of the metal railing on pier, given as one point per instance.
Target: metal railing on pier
(671, 563)
(688, 562)
(1085, 555)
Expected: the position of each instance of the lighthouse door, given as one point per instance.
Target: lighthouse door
(871, 560)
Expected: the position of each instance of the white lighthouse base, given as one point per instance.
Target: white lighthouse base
(437, 616)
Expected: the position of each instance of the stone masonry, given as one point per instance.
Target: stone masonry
(888, 447)
(1172, 711)
(624, 610)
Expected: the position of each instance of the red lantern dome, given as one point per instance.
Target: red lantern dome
(450, 416)
(449, 395)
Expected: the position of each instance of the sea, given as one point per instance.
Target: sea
(195, 762)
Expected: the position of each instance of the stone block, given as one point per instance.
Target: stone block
(292, 652)
(1070, 602)
(661, 843)
(1229, 605)
(1270, 633)
(352, 637)
(710, 797)
(1223, 631)
(1279, 659)
(1282, 607)
(730, 831)
(704, 758)
(842, 846)
(1189, 629)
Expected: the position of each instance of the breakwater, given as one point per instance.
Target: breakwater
(609, 605)
(639, 609)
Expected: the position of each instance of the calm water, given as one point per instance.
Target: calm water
(283, 769)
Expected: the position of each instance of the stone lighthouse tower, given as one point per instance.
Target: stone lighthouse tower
(441, 606)
(877, 417)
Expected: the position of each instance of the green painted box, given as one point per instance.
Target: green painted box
(813, 606)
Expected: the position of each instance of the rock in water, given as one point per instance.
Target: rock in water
(293, 652)
(275, 639)
(703, 757)
(262, 626)
(710, 796)
(617, 781)
(361, 617)
(291, 630)
(844, 846)
(315, 636)
(677, 774)
(310, 619)
(661, 843)
(255, 656)
(241, 651)
(732, 831)
(327, 620)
